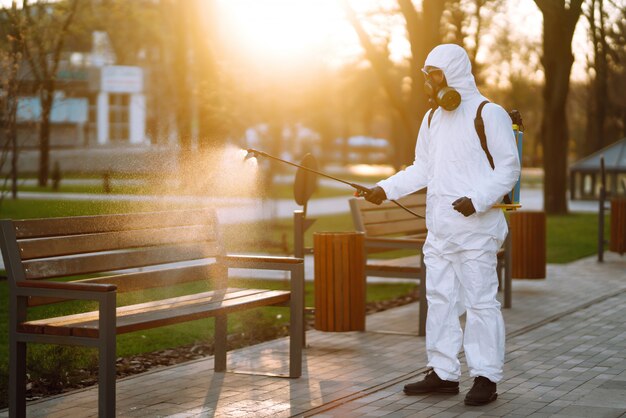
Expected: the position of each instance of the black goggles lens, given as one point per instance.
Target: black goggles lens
(428, 73)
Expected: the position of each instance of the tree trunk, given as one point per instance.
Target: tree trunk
(13, 137)
(47, 99)
(181, 66)
(211, 127)
(43, 57)
(13, 86)
(423, 34)
(597, 111)
(559, 23)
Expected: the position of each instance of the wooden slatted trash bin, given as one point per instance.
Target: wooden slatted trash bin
(339, 281)
(528, 244)
(617, 242)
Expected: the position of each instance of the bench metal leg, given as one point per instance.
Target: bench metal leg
(17, 357)
(17, 379)
(107, 357)
(508, 258)
(423, 301)
(296, 328)
(221, 325)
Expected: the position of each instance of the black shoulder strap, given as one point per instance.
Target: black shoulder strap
(479, 124)
(430, 116)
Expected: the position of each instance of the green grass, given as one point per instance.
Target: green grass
(88, 188)
(574, 236)
(280, 191)
(27, 208)
(285, 191)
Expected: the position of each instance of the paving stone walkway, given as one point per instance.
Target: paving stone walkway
(572, 367)
(565, 357)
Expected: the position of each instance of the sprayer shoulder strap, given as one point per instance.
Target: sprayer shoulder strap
(431, 112)
(479, 124)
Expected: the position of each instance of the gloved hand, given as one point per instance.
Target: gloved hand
(464, 205)
(376, 195)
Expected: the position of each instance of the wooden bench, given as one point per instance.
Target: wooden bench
(123, 253)
(390, 228)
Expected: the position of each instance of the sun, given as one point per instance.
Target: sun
(280, 29)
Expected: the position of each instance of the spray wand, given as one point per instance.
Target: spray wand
(360, 190)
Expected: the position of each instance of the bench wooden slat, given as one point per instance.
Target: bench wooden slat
(233, 259)
(86, 243)
(413, 226)
(403, 264)
(94, 263)
(189, 313)
(60, 325)
(393, 215)
(129, 282)
(66, 286)
(167, 303)
(415, 239)
(163, 312)
(35, 228)
(385, 244)
(417, 199)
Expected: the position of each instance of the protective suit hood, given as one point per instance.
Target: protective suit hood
(457, 68)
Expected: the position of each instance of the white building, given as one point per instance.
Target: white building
(118, 112)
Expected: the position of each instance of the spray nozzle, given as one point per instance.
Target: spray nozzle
(361, 191)
(251, 154)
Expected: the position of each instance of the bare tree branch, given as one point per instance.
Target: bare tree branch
(381, 65)
(62, 35)
(38, 41)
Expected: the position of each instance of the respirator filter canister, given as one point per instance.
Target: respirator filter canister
(438, 91)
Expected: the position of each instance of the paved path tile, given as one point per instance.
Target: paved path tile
(600, 326)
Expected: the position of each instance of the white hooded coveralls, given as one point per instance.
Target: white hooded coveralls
(460, 252)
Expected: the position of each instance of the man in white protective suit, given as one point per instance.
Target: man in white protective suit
(464, 231)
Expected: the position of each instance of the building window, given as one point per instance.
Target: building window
(92, 119)
(118, 117)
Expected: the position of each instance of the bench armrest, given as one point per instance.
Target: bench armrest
(64, 290)
(260, 262)
(294, 265)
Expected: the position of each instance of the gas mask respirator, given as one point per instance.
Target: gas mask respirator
(438, 91)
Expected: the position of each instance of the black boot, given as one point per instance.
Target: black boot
(483, 392)
(431, 384)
